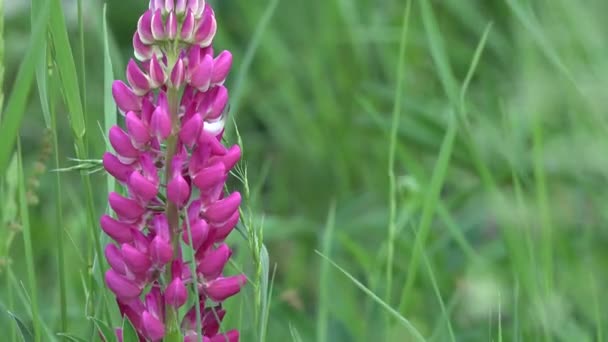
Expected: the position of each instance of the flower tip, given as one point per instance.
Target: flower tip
(120, 232)
(221, 210)
(122, 287)
(176, 293)
(178, 190)
(125, 98)
(153, 328)
(116, 168)
(222, 288)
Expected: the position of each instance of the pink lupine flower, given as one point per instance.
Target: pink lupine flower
(173, 166)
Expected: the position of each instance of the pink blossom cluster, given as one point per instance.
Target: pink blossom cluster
(173, 166)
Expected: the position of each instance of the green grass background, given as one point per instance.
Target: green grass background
(419, 170)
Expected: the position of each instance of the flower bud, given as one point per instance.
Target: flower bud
(178, 190)
(137, 79)
(125, 98)
(190, 130)
(210, 177)
(219, 102)
(116, 168)
(161, 123)
(200, 76)
(144, 28)
(122, 287)
(221, 231)
(142, 51)
(178, 74)
(171, 28)
(115, 259)
(158, 28)
(221, 210)
(221, 67)
(213, 262)
(137, 261)
(199, 230)
(160, 251)
(142, 187)
(157, 73)
(231, 336)
(154, 329)
(206, 30)
(118, 231)
(187, 32)
(176, 293)
(126, 208)
(221, 288)
(138, 130)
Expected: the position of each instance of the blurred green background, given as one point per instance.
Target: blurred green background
(495, 197)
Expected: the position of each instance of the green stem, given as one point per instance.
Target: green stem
(29, 250)
(172, 212)
(60, 226)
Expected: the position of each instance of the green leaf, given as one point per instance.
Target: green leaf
(109, 107)
(72, 337)
(26, 334)
(129, 334)
(15, 107)
(67, 68)
(104, 329)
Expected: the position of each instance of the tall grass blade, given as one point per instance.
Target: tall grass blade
(265, 302)
(324, 284)
(444, 312)
(67, 68)
(41, 67)
(69, 79)
(29, 251)
(239, 83)
(109, 107)
(24, 331)
(429, 208)
(412, 330)
(392, 224)
(15, 106)
(83, 56)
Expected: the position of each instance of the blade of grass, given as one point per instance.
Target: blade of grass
(412, 330)
(29, 251)
(69, 78)
(41, 67)
(26, 334)
(444, 312)
(429, 207)
(83, 62)
(254, 42)
(264, 277)
(67, 68)
(543, 205)
(392, 224)
(26, 302)
(324, 285)
(109, 107)
(15, 107)
(59, 210)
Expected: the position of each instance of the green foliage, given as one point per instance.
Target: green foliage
(460, 150)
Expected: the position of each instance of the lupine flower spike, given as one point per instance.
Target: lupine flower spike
(173, 166)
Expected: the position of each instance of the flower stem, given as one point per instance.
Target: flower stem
(172, 212)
